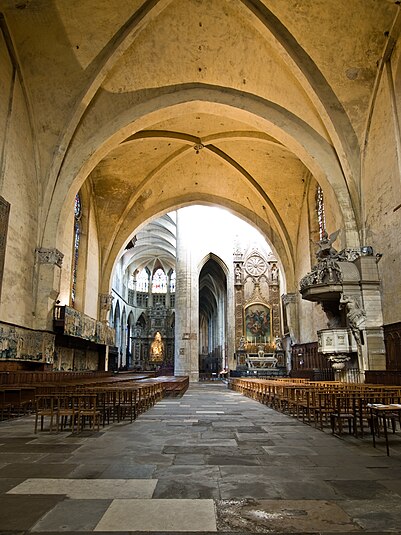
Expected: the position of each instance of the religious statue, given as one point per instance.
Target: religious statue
(356, 316)
(325, 248)
(242, 343)
(238, 274)
(261, 351)
(157, 349)
(274, 272)
(279, 343)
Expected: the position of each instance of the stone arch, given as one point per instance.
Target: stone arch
(217, 259)
(244, 213)
(117, 323)
(315, 152)
(213, 304)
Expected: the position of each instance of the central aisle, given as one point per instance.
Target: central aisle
(211, 461)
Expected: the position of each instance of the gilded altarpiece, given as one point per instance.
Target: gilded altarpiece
(257, 300)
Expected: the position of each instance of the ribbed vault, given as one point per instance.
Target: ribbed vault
(160, 104)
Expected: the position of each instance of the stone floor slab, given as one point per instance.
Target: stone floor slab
(359, 490)
(382, 516)
(88, 488)
(128, 471)
(159, 515)
(72, 515)
(190, 459)
(17, 513)
(37, 470)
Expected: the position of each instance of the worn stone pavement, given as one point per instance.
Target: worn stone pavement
(210, 461)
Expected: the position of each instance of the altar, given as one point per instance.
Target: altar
(255, 361)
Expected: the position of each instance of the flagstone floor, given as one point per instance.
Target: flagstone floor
(212, 461)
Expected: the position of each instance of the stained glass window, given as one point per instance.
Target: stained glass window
(142, 299)
(321, 217)
(77, 239)
(142, 281)
(172, 282)
(159, 282)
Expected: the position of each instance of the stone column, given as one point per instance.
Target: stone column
(105, 301)
(168, 290)
(373, 351)
(229, 314)
(186, 304)
(150, 295)
(134, 302)
(48, 272)
(290, 304)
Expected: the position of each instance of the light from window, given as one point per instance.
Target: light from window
(159, 282)
(321, 216)
(172, 282)
(77, 239)
(142, 281)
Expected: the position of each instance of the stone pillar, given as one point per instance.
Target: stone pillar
(373, 351)
(168, 290)
(186, 304)
(134, 302)
(290, 304)
(48, 272)
(105, 307)
(229, 314)
(150, 295)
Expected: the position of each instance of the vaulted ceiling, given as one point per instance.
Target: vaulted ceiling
(163, 103)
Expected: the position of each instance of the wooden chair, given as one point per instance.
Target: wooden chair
(87, 412)
(45, 407)
(128, 403)
(67, 412)
(325, 405)
(5, 405)
(344, 411)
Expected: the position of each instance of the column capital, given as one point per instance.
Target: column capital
(106, 301)
(49, 256)
(289, 298)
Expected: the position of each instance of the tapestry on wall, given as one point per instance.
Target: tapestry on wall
(17, 343)
(83, 326)
(4, 215)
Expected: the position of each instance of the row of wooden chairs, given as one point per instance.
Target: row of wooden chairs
(339, 406)
(94, 406)
(67, 411)
(19, 399)
(16, 401)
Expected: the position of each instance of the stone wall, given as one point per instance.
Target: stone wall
(92, 268)
(381, 189)
(19, 187)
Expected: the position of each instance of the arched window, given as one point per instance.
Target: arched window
(77, 239)
(172, 282)
(142, 281)
(321, 217)
(159, 282)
